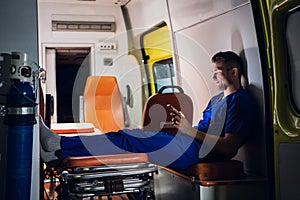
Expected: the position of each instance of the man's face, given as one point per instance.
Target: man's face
(221, 75)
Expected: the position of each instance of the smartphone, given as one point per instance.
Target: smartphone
(170, 107)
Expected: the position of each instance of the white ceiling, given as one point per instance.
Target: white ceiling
(97, 2)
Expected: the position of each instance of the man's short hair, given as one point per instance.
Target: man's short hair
(230, 59)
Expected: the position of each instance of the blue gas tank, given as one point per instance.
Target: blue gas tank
(20, 119)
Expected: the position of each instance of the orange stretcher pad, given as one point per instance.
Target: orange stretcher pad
(72, 128)
(225, 170)
(115, 159)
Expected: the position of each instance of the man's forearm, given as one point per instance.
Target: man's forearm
(227, 145)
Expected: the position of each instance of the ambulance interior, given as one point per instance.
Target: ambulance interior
(115, 51)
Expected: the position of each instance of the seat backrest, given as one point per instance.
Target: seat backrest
(103, 103)
(156, 115)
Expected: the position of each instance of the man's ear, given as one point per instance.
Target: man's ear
(235, 71)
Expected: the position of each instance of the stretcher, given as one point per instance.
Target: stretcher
(107, 176)
(99, 177)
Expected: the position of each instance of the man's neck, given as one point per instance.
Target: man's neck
(230, 90)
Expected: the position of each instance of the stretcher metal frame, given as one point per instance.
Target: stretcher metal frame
(106, 180)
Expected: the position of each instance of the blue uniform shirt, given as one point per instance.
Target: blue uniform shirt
(236, 110)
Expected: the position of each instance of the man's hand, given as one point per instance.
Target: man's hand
(180, 122)
(227, 145)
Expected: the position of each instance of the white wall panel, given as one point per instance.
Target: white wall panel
(187, 13)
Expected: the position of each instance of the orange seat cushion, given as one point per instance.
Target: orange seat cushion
(225, 170)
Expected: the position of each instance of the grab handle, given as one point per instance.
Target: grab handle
(160, 91)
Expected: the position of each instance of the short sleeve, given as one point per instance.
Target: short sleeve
(239, 116)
